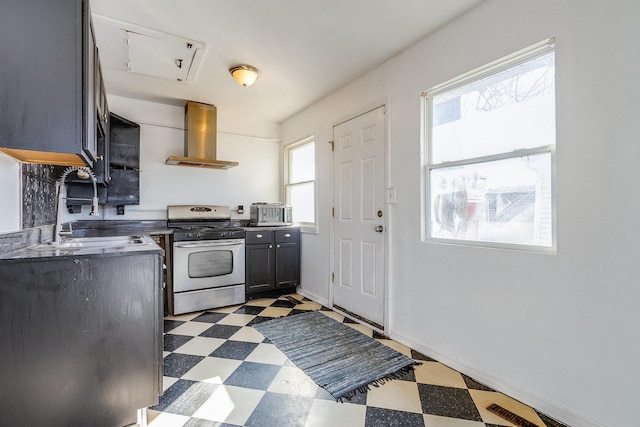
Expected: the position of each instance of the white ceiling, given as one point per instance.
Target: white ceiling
(304, 49)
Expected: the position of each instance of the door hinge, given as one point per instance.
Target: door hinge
(333, 212)
(333, 277)
(332, 144)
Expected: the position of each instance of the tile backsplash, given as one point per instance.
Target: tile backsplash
(39, 194)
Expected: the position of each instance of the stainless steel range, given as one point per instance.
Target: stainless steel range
(208, 258)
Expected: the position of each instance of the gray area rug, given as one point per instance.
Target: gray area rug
(337, 357)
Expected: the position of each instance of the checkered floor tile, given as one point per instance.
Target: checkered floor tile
(219, 371)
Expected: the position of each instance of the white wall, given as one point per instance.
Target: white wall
(254, 146)
(9, 194)
(559, 332)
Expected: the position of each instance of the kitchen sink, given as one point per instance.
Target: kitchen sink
(79, 244)
(84, 242)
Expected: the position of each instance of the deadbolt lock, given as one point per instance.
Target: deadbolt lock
(379, 214)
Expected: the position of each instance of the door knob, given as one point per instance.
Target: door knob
(378, 229)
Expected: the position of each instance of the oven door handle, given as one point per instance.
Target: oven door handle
(208, 244)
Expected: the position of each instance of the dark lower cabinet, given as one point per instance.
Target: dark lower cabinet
(272, 259)
(259, 267)
(81, 339)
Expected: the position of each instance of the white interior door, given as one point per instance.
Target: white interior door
(359, 216)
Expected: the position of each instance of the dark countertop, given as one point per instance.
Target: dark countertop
(270, 228)
(10, 242)
(130, 227)
(119, 228)
(144, 244)
(15, 245)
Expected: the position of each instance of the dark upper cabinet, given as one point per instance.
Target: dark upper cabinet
(272, 259)
(124, 168)
(124, 162)
(102, 131)
(48, 99)
(125, 143)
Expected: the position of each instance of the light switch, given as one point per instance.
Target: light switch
(391, 195)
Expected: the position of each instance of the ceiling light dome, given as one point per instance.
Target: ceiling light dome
(244, 74)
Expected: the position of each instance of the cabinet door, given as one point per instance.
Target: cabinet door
(259, 237)
(259, 267)
(124, 142)
(288, 235)
(101, 165)
(90, 144)
(69, 365)
(287, 264)
(41, 72)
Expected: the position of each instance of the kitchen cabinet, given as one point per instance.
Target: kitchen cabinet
(164, 240)
(101, 165)
(124, 169)
(48, 107)
(82, 338)
(124, 162)
(272, 259)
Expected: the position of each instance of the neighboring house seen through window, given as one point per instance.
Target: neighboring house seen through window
(491, 152)
(300, 175)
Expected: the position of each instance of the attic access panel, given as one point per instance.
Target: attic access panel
(169, 57)
(141, 50)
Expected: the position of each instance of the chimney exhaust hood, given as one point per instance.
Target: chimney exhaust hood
(200, 139)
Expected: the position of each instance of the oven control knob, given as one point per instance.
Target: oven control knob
(198, 235)
(189, 235)
(223, 234)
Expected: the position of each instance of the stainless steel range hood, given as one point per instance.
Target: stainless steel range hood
(200, 139)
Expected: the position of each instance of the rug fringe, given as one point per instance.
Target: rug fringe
(399, 374)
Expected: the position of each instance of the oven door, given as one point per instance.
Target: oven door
(207, 264)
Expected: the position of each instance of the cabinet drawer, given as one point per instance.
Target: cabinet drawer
(289, 235)
(253, 237)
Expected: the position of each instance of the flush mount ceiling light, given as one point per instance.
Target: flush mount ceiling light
(244, 74)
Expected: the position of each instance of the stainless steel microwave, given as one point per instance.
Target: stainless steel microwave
(270, 214)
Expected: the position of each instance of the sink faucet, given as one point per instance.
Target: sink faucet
(61, 194)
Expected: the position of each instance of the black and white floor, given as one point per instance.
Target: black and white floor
(219, 371)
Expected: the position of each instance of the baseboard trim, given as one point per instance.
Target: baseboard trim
(359, 319)
(540, 403)
(313, 297)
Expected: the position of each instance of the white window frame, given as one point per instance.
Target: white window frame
(305, 227)
(507, 62)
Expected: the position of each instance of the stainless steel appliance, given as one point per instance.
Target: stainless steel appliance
(200, 138)
(208, 258)
(270, 214)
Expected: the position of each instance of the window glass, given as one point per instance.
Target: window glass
(502, 201)
(301, 196)
(300, 177)
(491, 137)
(302, 166)
(509, 110)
